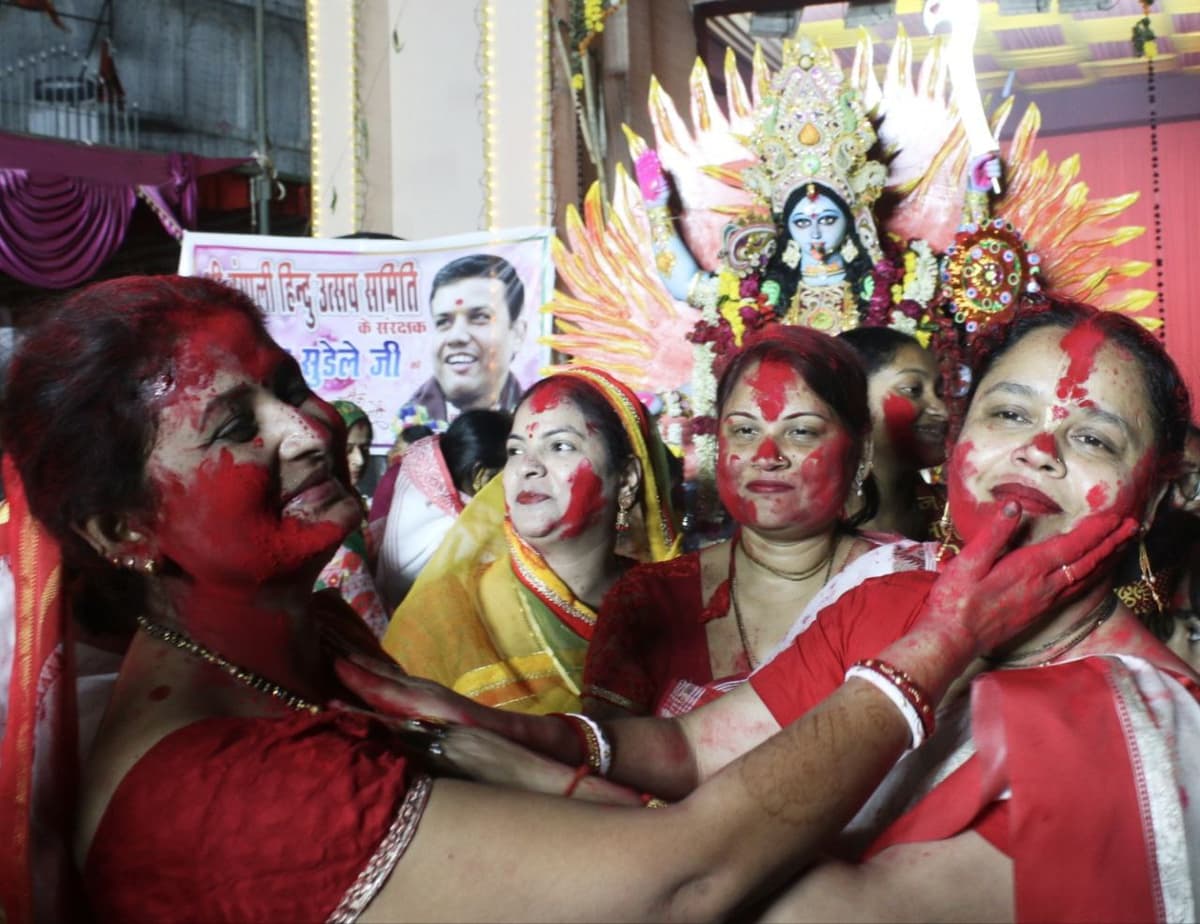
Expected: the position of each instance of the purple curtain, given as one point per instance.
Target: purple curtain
(65, 207)
(56, 231)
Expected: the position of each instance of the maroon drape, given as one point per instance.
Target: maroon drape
(56, 231)
(65, 207)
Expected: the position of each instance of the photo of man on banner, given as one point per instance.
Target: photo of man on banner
(476, 302)
(412, 332)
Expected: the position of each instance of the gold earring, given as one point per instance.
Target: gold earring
(943, 531)
(1142, 596)
(623, 505)
(791, 254)
(150, 567)
(1149, 578)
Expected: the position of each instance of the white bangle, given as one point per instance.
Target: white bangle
(601, 759)
(892, 692)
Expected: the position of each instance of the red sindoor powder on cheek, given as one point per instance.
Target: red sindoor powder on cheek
(1097, 497)
(728, 465)
(824, 475)
(587, 503)
(228, 525)
(968, 513)
(899, 415)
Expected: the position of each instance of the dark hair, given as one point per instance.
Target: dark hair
(476, 439)
(484, 266)
(78, 415)
(1169, 401)
(596, 410)
(877, 346)
(788, 277)
(829, 368)
(414, 432)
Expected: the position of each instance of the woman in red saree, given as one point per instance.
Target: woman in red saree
(1058, 784)
(176, 454)
(793, 444)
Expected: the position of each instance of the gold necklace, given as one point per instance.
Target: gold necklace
(1066, 640)
(248, 677)
(791, 575)
(737, 610)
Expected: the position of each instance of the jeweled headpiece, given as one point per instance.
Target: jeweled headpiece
(814, 128)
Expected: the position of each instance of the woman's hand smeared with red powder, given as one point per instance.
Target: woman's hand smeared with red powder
(386, 688)
(988, 594)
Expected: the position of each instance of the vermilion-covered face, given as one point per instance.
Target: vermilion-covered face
(1061, 423)
(785, 460)
(558, 481)
(249, 466)
(908, 415)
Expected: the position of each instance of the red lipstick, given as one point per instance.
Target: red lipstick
(768, 487)
(1031, 499)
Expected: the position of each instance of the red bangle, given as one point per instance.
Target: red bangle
(908, 689)
(580, 772)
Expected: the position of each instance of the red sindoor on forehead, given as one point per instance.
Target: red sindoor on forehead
(770, 382)
(1081, 344)
(548, 395)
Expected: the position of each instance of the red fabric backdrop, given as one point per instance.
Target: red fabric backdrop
(1117, 161)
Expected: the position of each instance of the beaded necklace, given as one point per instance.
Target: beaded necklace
(256, 681)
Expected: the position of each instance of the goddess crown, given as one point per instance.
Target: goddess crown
(814, 128)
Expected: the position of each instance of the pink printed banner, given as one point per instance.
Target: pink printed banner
(411, 331)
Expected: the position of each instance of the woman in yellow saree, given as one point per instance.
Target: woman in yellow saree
(504, 610)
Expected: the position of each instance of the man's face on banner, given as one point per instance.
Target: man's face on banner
(474, 341)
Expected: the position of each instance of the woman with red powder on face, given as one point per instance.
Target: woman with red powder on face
(792, 426)
(177, 456)
(504, 611)
(1074, 752)
(909, 430)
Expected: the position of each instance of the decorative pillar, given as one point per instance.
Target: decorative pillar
(455, 111)
(516, 62)
(333, 98)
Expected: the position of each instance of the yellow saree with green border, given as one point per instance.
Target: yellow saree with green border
(488, 617)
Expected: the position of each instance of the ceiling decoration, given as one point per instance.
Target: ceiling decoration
(1071, 45)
